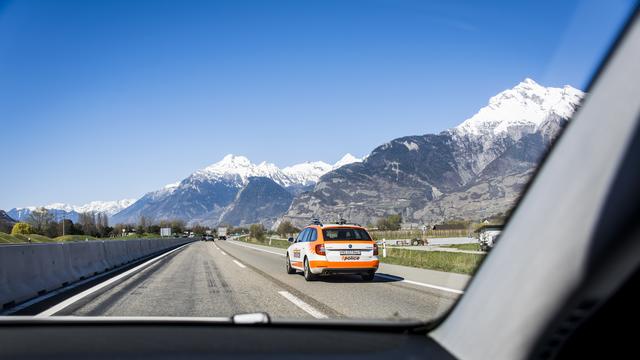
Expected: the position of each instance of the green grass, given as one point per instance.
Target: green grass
(143, 236)
(6, 239)
(472, 247)
(74, 238)
(434, 260)
(19, 238)
(35, 238)
(282, 244)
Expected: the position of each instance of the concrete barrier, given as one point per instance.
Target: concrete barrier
(30, 270)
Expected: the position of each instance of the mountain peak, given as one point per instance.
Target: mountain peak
(525, 107)
(346, 160)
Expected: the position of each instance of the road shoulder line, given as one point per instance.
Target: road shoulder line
(303, 305)
(60, 306)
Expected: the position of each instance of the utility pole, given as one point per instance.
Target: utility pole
(63, 218)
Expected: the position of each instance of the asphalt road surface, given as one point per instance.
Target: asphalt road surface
(222, 278)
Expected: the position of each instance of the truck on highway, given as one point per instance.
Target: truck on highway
(222, 233)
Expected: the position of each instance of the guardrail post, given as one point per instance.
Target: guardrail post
(384, 248)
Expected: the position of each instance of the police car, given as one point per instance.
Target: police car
(326, 249)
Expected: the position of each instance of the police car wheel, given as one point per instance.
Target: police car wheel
(368, 276)
(290, 270)
(308, 275)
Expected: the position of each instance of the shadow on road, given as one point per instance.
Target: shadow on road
(380, 278)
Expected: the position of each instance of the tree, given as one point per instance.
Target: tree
(286, 228)
(87, 222)
(143, 223)
(257, 231)
(40, 219)
(391, 222)
(69, 228)
(199, 229)
(22, 228)
(153, 229)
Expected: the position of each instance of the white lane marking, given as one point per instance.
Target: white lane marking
(239, 264)
(422, 284)
(255, 248)
(303, 305)
(216, 246)
(56, 308)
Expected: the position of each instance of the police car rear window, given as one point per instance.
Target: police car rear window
(345, 234)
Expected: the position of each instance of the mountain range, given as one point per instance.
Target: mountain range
(216, 193)
(67, 211)
(475, 170)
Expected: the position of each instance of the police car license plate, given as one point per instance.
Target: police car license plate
(349, 252)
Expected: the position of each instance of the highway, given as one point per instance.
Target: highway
(222, 278)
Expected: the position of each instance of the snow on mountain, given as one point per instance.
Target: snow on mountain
(236, 167)
(107, 207)
(204, 195)
(346, 160)
(525, 107)
(473, 171)
(307, 173)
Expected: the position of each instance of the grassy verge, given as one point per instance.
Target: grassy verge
(35, 238)
(413, 234)
(19, 238)
(74, 238)
(434, 260)
(282, 244)
(472, 247)
(143, 236)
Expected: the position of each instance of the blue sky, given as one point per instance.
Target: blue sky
(107, 100)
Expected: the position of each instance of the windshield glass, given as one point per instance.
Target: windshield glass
(203, 145)
(345, 234)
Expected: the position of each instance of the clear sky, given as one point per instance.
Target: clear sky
(103, 100)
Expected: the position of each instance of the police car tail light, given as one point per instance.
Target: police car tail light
(320, 249)
(375, 249)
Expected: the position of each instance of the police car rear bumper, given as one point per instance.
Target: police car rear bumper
(347, 271)
(346, 267)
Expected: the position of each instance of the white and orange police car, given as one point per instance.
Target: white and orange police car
(333, 249)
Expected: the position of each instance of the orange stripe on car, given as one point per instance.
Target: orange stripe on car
(343, 264)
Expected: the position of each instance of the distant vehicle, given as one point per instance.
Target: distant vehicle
(488, 235)
(208, 238)
(333, 249)
(222, 233)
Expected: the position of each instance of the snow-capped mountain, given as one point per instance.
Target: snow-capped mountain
(346, 160)
(240, 169)
(307, 173)
(107, 207)
(522, 109)
(71, 212)
(474, 170)
(528, 108)
(204, 195)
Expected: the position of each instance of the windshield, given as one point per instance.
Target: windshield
(204, 149)
(345, 234)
